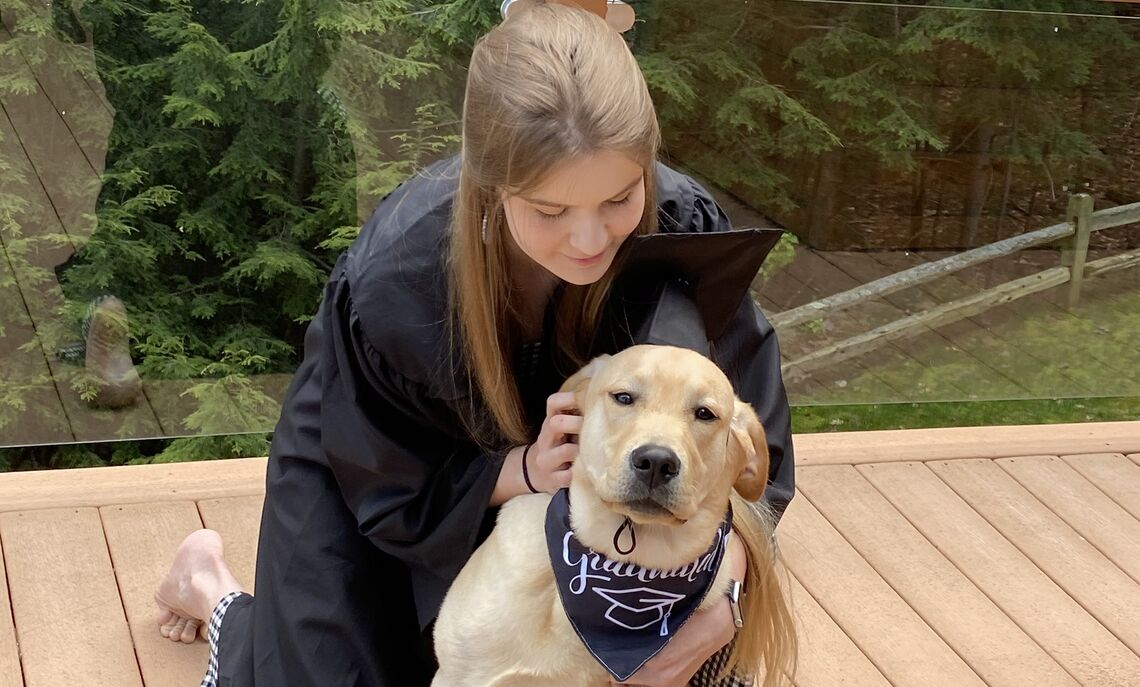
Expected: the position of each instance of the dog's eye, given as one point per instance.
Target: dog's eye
(623, 398)
(706, 415)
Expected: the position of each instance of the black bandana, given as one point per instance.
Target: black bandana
(623, 613)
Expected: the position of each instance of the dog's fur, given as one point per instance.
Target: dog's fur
(502, 623)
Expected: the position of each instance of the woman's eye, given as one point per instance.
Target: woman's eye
(620, 201)
(705, 415)
(550, 215)
(622, 398)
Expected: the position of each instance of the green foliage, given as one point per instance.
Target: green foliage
(853, 418)
(253, 445)
(213, 448)
(783, 253)
(252, 137)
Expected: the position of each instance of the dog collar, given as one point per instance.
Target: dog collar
(624, 613)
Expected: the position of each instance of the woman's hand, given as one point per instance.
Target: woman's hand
(550, 456)
(553, 452)
(706, 633)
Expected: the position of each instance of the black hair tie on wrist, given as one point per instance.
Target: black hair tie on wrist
(526, 473)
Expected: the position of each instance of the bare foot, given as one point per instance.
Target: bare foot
(197, 581)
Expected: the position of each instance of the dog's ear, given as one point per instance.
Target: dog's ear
(580, 380)
(748, 452)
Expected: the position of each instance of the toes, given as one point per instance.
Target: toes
(176, 631)
(167, 625)
(190, 632)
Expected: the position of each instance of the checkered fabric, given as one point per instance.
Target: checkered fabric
(707, 675)
(213, 631)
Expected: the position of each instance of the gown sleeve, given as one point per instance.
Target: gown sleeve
(418, 488)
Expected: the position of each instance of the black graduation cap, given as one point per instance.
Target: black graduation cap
(666, 280)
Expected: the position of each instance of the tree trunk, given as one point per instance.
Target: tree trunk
(918, 207)
(822, 209)
(979, 183)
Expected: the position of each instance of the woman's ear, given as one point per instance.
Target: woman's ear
(748, 452)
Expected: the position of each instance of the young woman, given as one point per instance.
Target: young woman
(472, 292)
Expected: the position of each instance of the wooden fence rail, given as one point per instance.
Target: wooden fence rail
(1098, 221)
(1082, 221)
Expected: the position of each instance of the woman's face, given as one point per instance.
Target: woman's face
(574, 222)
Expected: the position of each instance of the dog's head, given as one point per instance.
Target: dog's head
(664, 438)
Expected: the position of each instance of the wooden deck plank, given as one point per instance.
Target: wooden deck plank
(905, 650)
(171, 408)
(71, 182)
(37, 227)
(969, 622)
(1084, 507)
(85, 112)
(11, 674)
(42, 419)
(21, 491)
(35, 278)
(1044, 611)
(238, 520)
(785, 290)
(1095, 582)
(827, 656)
(949, 443)
(142, 539)
(62, 584)
(1113, 474)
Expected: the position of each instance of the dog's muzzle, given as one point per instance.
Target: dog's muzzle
(653, 470)
(654, 466)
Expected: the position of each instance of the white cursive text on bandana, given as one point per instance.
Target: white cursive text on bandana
(624, 613)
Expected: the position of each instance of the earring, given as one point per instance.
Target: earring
(484, 227)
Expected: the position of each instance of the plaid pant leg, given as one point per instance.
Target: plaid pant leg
(212, 632)
(707, 675)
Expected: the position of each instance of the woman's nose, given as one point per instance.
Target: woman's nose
(589, 237)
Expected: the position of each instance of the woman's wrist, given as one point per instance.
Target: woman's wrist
(526, 470)
(510, 483)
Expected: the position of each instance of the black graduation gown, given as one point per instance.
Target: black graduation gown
(375, 496)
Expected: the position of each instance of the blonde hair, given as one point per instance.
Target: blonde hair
(766, 649)
(550, 84)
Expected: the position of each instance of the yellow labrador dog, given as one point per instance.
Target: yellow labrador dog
(665, 447)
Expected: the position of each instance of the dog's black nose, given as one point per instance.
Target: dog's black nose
(654, 465)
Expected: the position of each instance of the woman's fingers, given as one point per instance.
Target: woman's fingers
(562, 457)
(561, 479)
(559, 457)
(561, 401)
(565, 424)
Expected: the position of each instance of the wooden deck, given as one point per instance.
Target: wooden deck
(972, 556)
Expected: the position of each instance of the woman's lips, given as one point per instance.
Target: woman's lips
(586, 262)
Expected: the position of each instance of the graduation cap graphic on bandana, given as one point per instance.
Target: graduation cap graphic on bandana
(637, 609)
